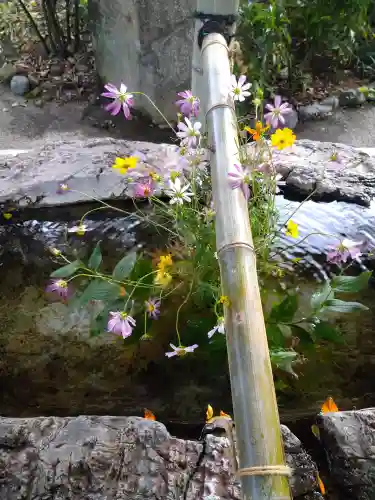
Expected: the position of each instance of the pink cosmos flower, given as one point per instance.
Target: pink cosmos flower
(189, 104)
(59, 287)
(144, 189)
(240, 178)
(180, 350)
(347, 249)
(277, 112)
(120, 323)
(121, 100)
(189, 133)
(153, 308)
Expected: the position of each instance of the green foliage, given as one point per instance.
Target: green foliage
(351, 284)
(292, 38)
(67, 270)
(125, 266)
(184, 280)
(95, 258)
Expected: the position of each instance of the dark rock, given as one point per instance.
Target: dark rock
(351, 98)
(19, 84)
(332, 101)
(308, 167)
(34, 80)
(112, 457)
(57, 69)
(316, 111)
(349, 440)
(291, 119)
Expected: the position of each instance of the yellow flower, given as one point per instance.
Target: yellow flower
(162, 278)
(123, 164)
(282, 139)
(55, 252)
(292, 229)
(224, 300)
(164, 262)
(155, 177)
(258, 132)
(174, 175)
(7, 215)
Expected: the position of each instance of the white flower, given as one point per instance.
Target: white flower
(80, 229)
(178, 193)
(180, 351)
(239, 89)
(189, 133)
(220, 327)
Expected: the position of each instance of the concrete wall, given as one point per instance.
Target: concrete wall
(146, 44)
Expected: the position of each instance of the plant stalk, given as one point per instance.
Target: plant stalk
(35, 26)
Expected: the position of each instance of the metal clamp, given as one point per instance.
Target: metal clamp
(216, 23)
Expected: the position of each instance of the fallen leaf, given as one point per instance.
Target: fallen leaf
(329, 406)
(209, 413)
(148, 415)
(321, 486)
(315, 431)
(222, 414)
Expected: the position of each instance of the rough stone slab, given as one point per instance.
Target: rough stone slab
(31, 177)
(307, 167)
(121, 458)
(349, 440)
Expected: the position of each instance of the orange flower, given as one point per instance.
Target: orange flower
(148, 415)
(329, 406)
(258, 132)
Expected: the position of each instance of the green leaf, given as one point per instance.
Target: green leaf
(325, 331)
(95, 258)
(125, 266)
(68, 270)
(305, 335)
(349, 284)
(285, 330)
(98, 290)
(284, 360)
(274, 335)
(285, 311)
(321, 296)
(341, 306)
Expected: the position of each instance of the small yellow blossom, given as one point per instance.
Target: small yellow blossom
(123, 164)
(224, 300)
(155, 177)
(292, 229)
(163, 278)
(7, 215)
(165, 261)
(258, 132)
(55, 252)
(174, 175)
(282, 139)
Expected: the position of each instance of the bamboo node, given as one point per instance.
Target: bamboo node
(266, 470)
(217, 106)
(238, 244)
(215, 42)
